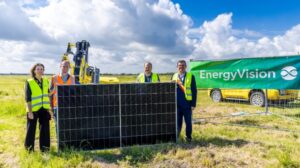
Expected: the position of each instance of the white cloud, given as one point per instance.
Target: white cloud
(19, 56)
(125, 33)
(115, 24)
(15, 25)
(217, 39)
(129, 30)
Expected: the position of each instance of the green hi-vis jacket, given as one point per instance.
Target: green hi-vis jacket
(39, 97)
(141, 78)
(186, 87)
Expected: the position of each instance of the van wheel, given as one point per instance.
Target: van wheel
(216, 95)
(257, 99)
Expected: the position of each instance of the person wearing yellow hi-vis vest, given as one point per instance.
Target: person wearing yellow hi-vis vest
(186, 98)
(38, 108)
(148, 76)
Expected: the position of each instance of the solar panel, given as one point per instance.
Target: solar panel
(116, 115)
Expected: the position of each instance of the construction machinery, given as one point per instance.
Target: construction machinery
(83, 72)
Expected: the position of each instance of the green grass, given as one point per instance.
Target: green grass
(220, 142)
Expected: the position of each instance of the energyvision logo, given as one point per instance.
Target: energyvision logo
(243, 74)
(289, 73)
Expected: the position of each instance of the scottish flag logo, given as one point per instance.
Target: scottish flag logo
(289, 73)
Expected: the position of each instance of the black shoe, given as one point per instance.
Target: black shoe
(188, 140)
(45, 149)
(29, 149)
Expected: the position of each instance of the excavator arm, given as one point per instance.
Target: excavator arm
(79, 65)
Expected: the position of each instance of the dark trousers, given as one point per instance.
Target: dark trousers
(187, 115)
(43, 116)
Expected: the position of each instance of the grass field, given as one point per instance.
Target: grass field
(266, 141)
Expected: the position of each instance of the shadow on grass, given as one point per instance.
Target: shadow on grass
(136, 155)
(103, 156)
(246, 122)
(216, 141)
(293, 115)
(236, 101)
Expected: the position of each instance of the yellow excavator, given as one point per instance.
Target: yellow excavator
(84, 74)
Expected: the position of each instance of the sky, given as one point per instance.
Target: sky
(123, 34)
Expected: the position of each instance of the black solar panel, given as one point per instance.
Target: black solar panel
(147, 116)
(116, 115)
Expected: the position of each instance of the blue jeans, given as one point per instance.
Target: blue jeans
(187, 115)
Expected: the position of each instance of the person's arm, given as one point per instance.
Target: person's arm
(51, 90)
(28, 100)
(51, 86)
(138, 78)
(27, 92)
(50, 95)
(50, 111)
(73, 79)
(194, 92)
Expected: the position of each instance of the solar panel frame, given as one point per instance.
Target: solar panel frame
(72, 108)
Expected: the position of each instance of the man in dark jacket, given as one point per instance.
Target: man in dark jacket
(186, 97)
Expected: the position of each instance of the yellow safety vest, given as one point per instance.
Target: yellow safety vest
(39, 97)
(154, 78)
(187, 84)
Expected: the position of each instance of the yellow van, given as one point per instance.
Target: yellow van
(255, 96)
